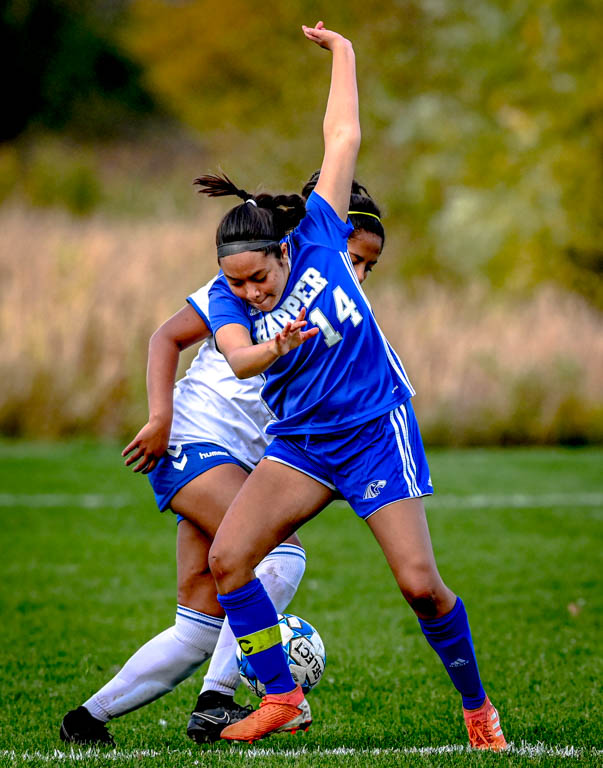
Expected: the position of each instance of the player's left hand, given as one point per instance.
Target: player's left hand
(293, 335)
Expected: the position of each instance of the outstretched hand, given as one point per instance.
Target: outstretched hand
(292, 335)
(326, 38)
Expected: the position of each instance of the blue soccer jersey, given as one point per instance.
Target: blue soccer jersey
(347, 374)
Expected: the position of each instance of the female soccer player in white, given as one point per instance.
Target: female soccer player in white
(342, 417)
(202, 439)
(212, 425)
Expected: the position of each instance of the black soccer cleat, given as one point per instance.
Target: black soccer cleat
(79, 727)
(213, 712)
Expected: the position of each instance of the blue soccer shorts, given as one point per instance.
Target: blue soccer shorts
(183, 463)
(371, 465)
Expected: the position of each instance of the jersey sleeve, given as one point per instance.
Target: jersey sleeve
(322, 226)
(225, 307)
(199, 301)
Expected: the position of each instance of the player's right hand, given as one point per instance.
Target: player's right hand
(326, 38)
(292, 335)
(147, 447)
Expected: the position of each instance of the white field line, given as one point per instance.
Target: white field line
(61, 500)
(439, 501)
(523, 749)
(515, 500)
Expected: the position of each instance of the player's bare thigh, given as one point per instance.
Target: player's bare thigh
(203, 503)
(272, 504)
(206, 498)
(403, 534)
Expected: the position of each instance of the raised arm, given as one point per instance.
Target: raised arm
(179, 332)
(341, 124)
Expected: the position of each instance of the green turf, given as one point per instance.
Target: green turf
(82, 587)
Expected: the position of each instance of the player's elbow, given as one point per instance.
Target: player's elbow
(156, 337)
(242, 373)
(159, 338)
(239, 366)
(344, 138)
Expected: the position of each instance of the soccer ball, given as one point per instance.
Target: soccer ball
(305, 653)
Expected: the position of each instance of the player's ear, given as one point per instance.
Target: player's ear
(284, 250)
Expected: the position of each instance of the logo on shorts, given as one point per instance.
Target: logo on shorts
(209, 454)
(373, 489)
(175, 452)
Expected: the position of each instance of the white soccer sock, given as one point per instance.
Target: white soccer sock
(280, 572)
(158, 667)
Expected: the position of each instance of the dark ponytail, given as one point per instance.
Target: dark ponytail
(263, 218)
(365, 214)
(310, 184)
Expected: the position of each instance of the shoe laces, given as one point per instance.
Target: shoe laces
(480, 728)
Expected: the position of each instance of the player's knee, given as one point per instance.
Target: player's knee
(425, 605)
(421, 593)
(222, 562)
(428, 596)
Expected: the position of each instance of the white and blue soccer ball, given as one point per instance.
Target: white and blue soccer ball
(305, 653)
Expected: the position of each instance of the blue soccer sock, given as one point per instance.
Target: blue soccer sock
(254, 623)
(450, 638)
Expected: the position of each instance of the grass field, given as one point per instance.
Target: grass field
(88, 574)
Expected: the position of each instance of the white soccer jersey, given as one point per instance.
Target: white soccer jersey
(212, 406)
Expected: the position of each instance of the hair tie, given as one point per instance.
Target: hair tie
(252, 201)
(364, 213)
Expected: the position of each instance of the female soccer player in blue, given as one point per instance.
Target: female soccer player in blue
(342, 415)
(213, 425)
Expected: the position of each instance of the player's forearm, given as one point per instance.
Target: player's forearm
(342, 122)
(161, 375)
(253, 360)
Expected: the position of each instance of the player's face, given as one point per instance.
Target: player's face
(365, 249)
(257, 278)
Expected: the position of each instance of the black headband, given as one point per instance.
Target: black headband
(228, 249)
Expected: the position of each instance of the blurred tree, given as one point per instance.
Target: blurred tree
(482, 119)
(66, 70)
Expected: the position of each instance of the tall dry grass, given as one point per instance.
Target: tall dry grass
(79, 300)
(498, 370)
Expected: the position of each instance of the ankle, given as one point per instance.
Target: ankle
(295, 697)
(474, 710)
(212, 699)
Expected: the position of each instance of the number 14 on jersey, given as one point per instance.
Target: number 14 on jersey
(345, 309)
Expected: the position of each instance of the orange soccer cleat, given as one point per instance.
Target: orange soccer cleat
(483, 726)
(278, 712)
